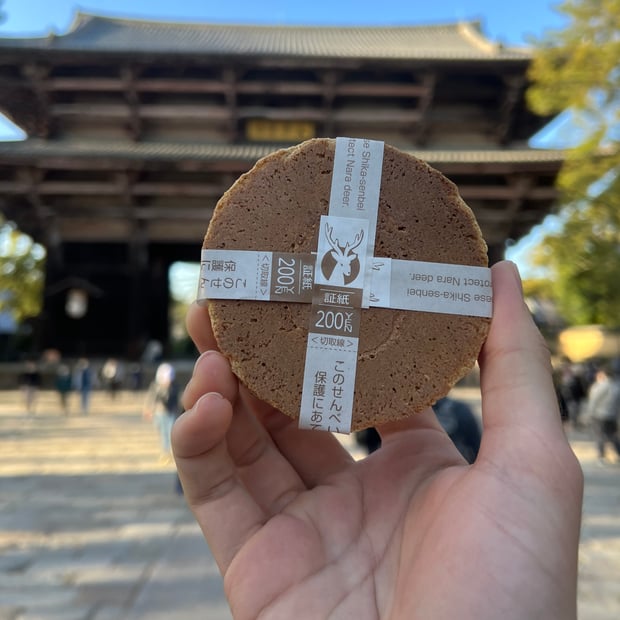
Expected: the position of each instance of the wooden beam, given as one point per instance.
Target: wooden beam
(231, 95)
(184, 112)
(123, 111)
(500, 192)
(373, 116)
(92, 110)
(282, 114)
(358, 89)
(83, 229)
(176, 112)
(514, 86)
(134, 125)
(84, 83)
(180, 85)
(421, 131)
(179, 189)
(82, 188)
(116, 188)
(496, 216)
(70, 213)
(266, 87)
(148, 85)
(370, 89)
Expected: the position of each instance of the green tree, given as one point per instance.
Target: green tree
(22, 273)
(578, 69)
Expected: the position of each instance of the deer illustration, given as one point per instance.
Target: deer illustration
(343, 256)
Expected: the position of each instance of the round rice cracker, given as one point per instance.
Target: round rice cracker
(406, 360)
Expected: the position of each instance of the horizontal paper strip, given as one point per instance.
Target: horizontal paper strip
(261, 276)
(437, 287)
(397, 284)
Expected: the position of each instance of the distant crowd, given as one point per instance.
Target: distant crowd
(589, 398)
(588, 395)
(80, 378)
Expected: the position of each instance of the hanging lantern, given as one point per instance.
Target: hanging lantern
(77, 303)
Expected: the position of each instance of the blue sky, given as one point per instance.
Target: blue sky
(511, 23)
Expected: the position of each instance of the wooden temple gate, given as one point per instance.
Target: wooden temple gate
(136, 128)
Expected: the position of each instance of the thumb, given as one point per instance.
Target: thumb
(515, 367)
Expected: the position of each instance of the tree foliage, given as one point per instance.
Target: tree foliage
(22, 273)
(578, 69)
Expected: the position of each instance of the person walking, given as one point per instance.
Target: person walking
(162, 406)
(30, 383)
(83, 383)
(63, 386)
(604, 410)
(572, 393)
(459, 421)
(112, 375)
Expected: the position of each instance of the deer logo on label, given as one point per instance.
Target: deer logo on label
(341, 264)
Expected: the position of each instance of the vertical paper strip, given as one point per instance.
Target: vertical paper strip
(341, 286)
(329, 383)
(356, 184)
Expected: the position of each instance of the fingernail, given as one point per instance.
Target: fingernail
(210, 396)
(201, 358)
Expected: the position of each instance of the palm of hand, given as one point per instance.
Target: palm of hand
(334, 550)
(341, 549)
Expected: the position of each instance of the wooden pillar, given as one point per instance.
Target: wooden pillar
(158, 299)
(138, 315)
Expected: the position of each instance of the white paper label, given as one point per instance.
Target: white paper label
(433, 287)
(356, 184)
(234, 274)
(397, 284)
(260, 276)
(329, 380)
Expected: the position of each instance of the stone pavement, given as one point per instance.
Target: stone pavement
(91, 527)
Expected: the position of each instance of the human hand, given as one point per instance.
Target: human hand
(300, 530)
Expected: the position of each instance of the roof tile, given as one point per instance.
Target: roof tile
(456, 41)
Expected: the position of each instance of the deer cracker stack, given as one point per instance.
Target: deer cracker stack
(406, 360)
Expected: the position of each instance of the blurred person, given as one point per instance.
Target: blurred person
(63, 386)
(152, 352)
(572, 392)
(459, 421)
(369, 439)
(30, 383)
(83, 383)
(456, 418)
(135, 377)
(604, 410)
(112, 377)
(162, 405)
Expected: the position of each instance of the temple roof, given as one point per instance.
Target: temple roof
(454, 41)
